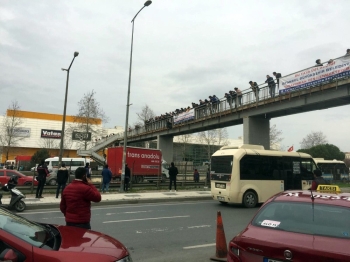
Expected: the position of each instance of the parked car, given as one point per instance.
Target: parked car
(23, 180)
(52, 178)
(297, 225)
(24, 240)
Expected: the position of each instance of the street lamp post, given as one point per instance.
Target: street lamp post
(64, 110)
(147, 3)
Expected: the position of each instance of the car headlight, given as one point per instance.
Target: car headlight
(125, 259)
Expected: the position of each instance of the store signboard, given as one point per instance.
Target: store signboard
(20, 132)
(86, 136)
(47, 133)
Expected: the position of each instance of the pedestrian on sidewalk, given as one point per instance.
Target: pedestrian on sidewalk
(88, 170)
(196, 176)
(172, 175)
(42, 174)
(127, 178)
(106, 178)
(62, 178)
(76, 200)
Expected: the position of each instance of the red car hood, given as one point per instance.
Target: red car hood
(262, 242)
(82, 240)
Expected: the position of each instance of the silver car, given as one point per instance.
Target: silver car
(52, 179)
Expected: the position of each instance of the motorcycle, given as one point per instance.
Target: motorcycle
(16, 201)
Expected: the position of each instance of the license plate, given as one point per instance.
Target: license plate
(271, 260)
(221, 198)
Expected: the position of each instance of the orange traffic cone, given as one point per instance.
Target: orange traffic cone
(221, 246)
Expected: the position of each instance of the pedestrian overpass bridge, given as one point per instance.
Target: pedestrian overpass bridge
(254, 114)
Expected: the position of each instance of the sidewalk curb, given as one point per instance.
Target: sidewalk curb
(122, 202)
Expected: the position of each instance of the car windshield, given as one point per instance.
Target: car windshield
(305, 218)
(22, 228)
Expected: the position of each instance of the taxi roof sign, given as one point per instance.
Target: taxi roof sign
(328, 188)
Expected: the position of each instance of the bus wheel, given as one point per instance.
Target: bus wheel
(250, 199)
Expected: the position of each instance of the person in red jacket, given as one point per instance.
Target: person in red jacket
(76, 200)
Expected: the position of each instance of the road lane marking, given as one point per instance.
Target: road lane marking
(141, 219)
(200, 226)
(134, 212)
(200, 246)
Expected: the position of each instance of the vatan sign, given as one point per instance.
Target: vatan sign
(20, 132)
(315, 75)
(86, 136)
(47, 133)
(183, 117)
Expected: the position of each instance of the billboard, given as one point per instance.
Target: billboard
(86, 136)
(183, 117)
(47, 133)
(315, 75)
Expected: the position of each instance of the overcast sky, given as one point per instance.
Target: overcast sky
(183, 51)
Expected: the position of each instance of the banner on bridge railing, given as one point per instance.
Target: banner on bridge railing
(183, 117)
(315, 75)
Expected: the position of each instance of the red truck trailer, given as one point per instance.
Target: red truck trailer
(144, 163)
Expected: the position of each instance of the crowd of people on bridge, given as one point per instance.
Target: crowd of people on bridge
(211, 105)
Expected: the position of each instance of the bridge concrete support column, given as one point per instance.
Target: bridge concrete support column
(256, 131)
(165, 143)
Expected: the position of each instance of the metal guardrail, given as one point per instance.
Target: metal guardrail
(115, 186)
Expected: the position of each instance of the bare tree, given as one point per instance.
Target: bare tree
(49, 143)
(218, 137)
(89, 116)
(9, 138)
(145, 114)
(183, 141)
(313, 139)
(275, 137)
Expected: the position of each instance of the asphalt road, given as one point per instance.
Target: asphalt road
(183, 231)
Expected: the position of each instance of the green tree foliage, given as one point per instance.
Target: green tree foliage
(40, 155)
(326, 151)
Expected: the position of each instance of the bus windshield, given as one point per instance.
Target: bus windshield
(221, 168)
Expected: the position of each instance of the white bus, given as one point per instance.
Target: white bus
(333, 169)
(249, 174)
(72, 163)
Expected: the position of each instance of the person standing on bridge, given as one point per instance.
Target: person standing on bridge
(278, 76)
(272, 85)
(254, 86)
(239, 96)
(172, 175)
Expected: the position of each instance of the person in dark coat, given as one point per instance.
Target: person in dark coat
(196, 176)
(106, 178)
(278, 76)
(255, 88)
(127, 177)
(272, 85)
(42, 174)
(88, 170)
(76, 200)
(62, 178)
(172, 175)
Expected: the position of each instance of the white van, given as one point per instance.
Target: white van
(71, 163)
